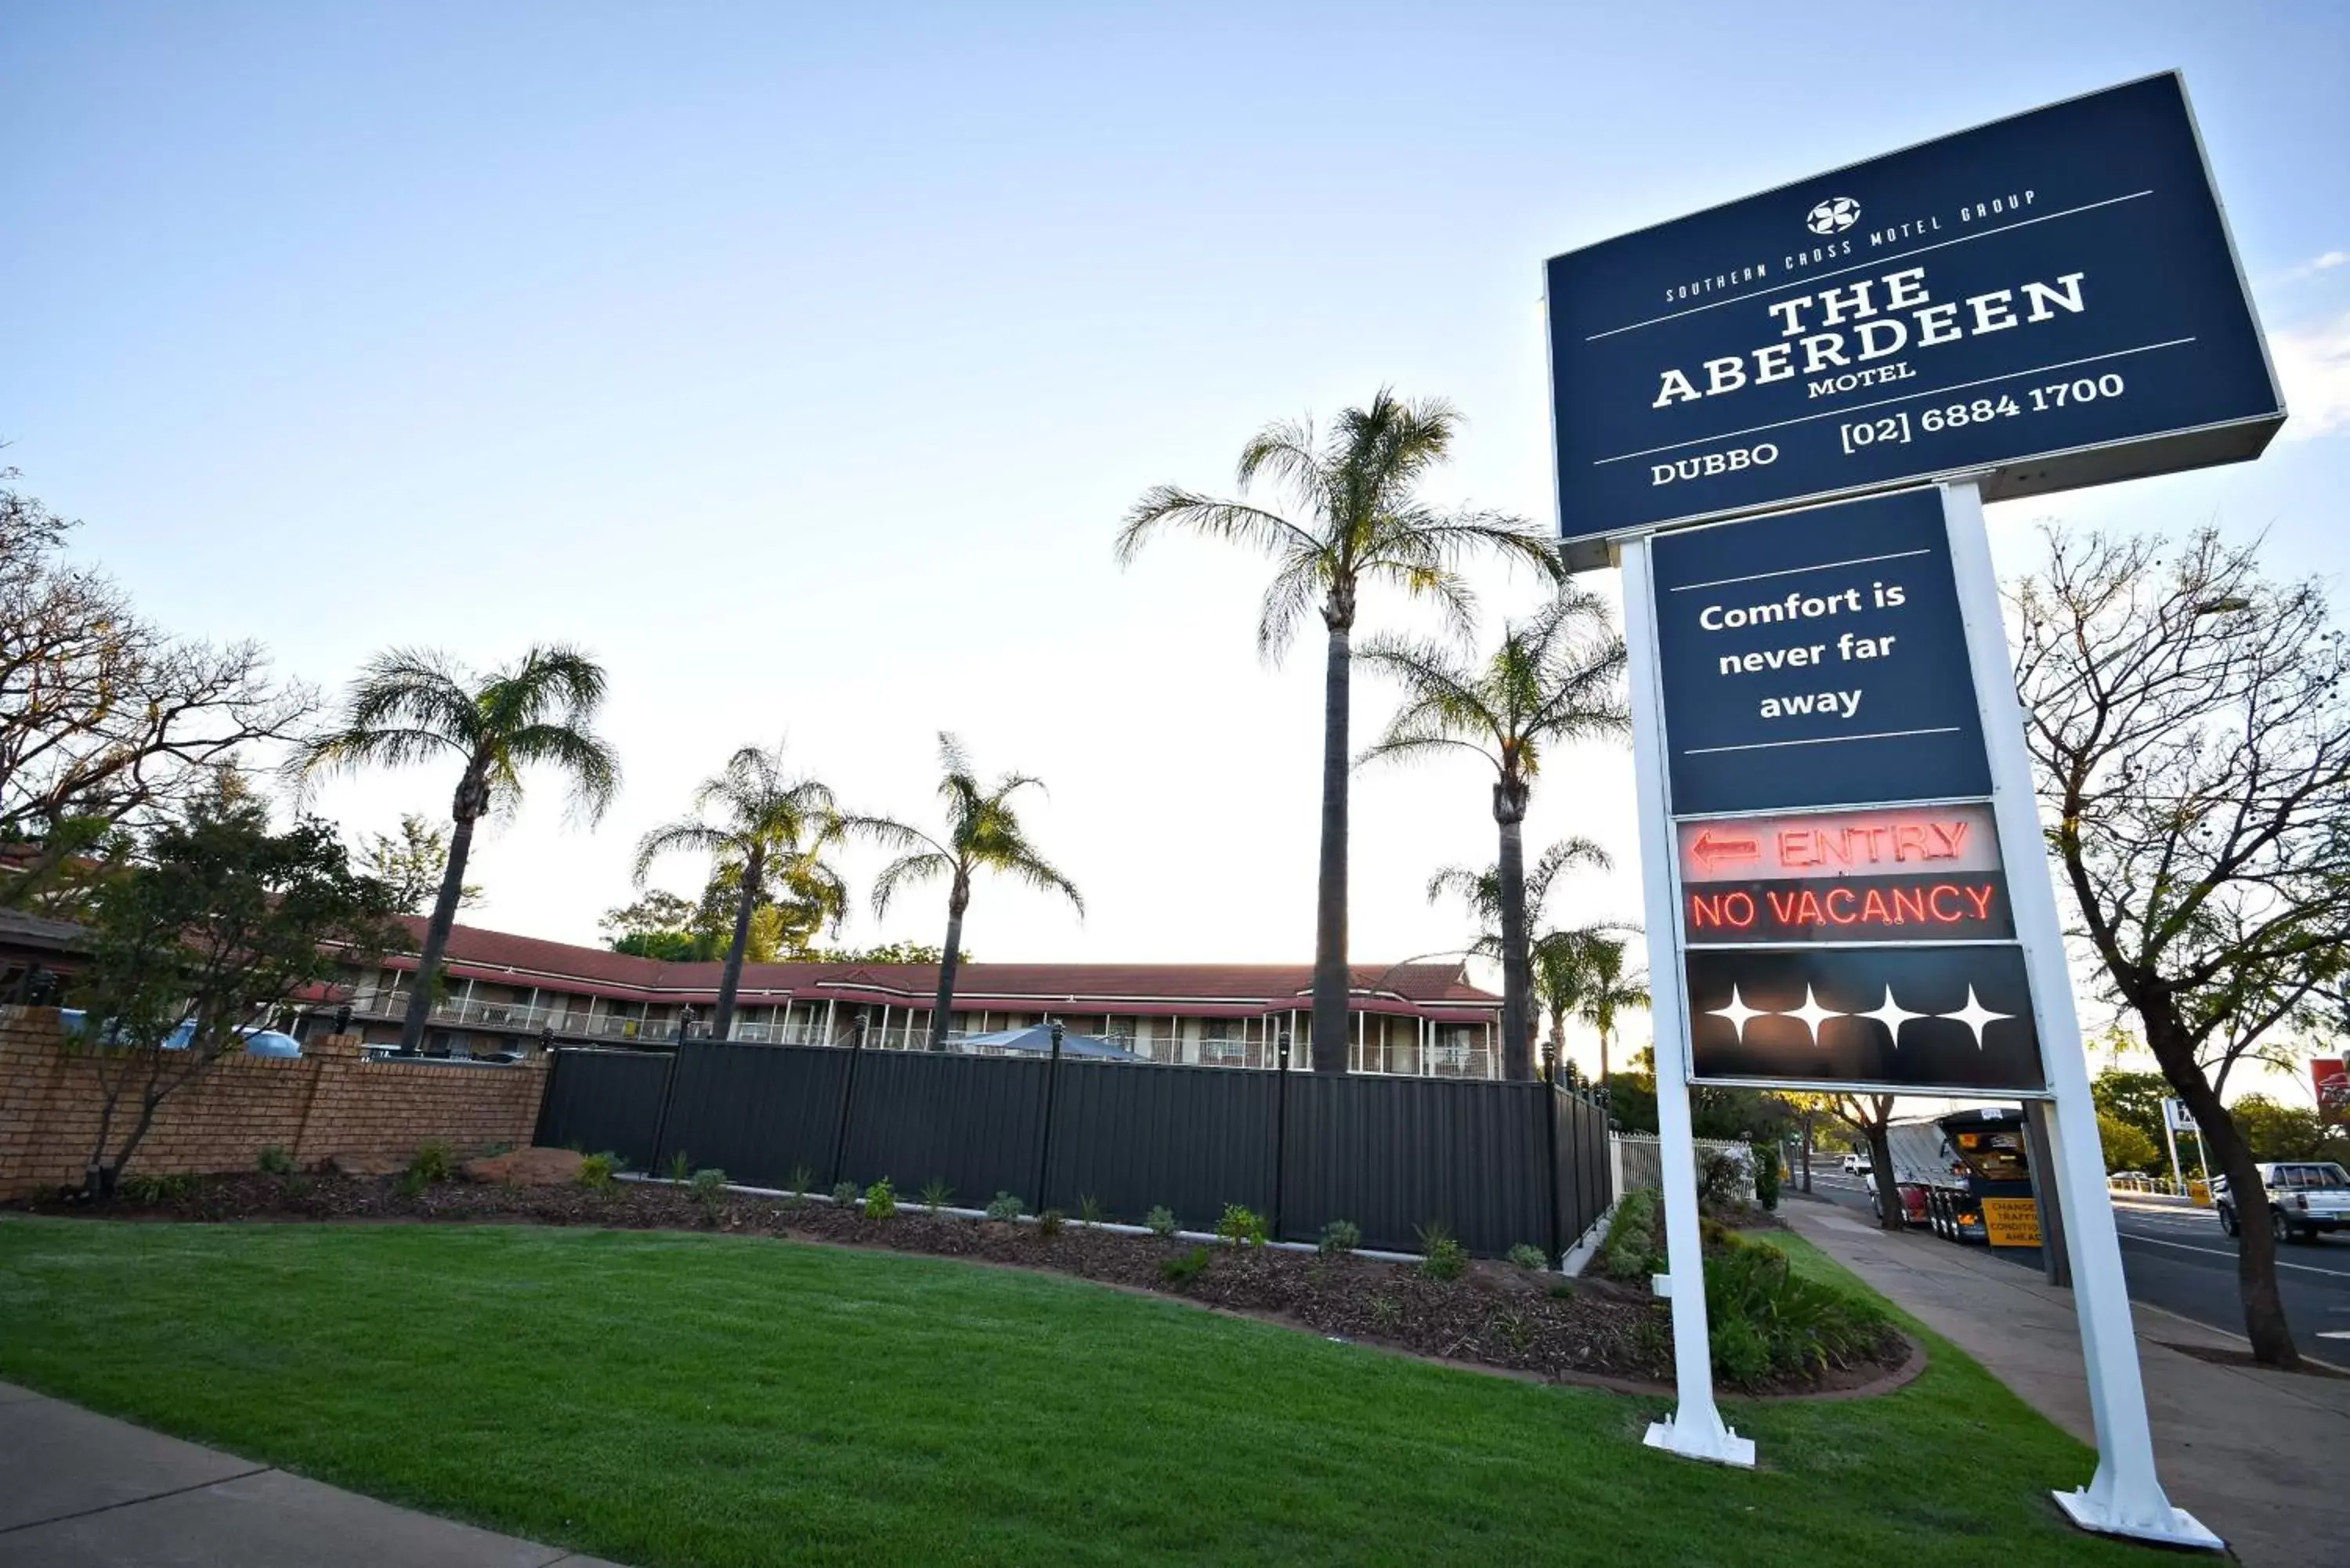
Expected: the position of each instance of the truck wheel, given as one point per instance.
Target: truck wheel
(2286, 1231)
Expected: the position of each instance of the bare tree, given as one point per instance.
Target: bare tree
(2192, 735)
(1868, 1117)
(106, 722)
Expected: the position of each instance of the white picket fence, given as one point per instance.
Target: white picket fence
(1637, 1160)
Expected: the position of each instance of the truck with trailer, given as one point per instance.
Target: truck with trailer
(1963, 1174)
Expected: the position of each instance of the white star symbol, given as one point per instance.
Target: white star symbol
(1893, 1015)
(1738, 1012)
(1974, 1015)
(1813, 1015)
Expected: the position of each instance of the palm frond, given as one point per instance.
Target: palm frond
(1294, 592)
(888, 832)
(1038, 874)
(682, 838)
(1285, 450)
(905, 871)
(593, 769)
(1170, 507)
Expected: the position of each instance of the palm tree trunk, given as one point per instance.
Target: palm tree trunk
(942, 1009)
(1331, 981)
(436, 937)
(730, 978)
(1517, 972)
(1603, 1059)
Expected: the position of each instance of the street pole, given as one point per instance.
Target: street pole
(2170, 1137)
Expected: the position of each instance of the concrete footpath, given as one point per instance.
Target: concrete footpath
(2258, 1457)
(84, 1491)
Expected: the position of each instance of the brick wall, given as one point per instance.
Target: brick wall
(329, 1102)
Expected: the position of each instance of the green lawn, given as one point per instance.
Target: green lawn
(676, 1400)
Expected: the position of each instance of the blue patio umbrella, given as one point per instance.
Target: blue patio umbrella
(1038, 1038)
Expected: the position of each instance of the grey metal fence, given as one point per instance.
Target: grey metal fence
(1497, 1164)
(598, 1100)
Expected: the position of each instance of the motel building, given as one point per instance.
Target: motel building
(509, 994)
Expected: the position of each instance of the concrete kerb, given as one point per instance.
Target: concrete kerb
(1113, 1227)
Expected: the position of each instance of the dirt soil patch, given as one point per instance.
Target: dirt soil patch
(1493, 1315)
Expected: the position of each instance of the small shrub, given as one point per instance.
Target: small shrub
(1049, 1223)
(1528, 1257)
(596, 1172)
(1766, 1175)
(1767, 1321)
(708, 1188)
(881, 1199)
(679, 1169)
(1741, 1355)
(1184, 1267)
(1241, 1227)
(1340, 1236)
(1160, 1220)
(149, 1190)
(276, 1160)
(1089, 1210)
(1516, 1330)
(1634, 1248)
(1005, 1207)
(433, 1161)
(1386, 1312)
(1721, 1184)
(411, 1184)
(846, 1194)
(936, 1195)
(801, 1179)
(1652, 1337)
(1562, 1289)
(298, 1185)
(1441, 1255)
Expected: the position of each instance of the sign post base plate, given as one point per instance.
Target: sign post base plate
(1693, 1441)
(2183, 1530)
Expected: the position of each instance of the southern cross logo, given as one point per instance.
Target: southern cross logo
(1974, 1016)
(1834, 216)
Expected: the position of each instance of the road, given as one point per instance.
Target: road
(2178, 1259)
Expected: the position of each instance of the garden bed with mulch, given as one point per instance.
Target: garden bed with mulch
(1492, 1315)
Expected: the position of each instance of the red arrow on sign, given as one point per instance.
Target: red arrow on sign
(1712, 848)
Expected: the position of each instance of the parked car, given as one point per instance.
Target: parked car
(2304, 1197)
(257, 1041)
(1856, 1164)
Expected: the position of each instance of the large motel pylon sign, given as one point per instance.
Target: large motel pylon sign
(1781, 416)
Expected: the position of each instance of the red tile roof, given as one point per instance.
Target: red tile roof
(501, 957)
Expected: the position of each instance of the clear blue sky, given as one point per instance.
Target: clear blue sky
(800, 361)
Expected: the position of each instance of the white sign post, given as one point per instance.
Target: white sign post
(2124, 1498)
(1695, 1428)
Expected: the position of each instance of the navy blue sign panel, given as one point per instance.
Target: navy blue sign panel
(2052, 297)
(1816, 657)
(1901, 1019)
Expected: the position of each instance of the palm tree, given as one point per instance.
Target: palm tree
(410, 706)
(1555, 678)
(1560, 966)
(983, 834)
(1607, 990)
(772, 830)
(1357, 520)
(1554, 957)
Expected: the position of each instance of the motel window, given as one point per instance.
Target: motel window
(1221, 1042)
